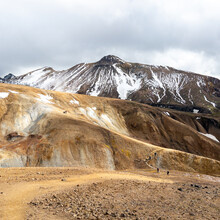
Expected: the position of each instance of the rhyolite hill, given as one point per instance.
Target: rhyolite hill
(50, 128)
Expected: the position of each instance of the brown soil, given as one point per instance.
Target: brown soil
(76, 193)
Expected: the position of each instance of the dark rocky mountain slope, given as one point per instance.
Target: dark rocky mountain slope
(112, 77)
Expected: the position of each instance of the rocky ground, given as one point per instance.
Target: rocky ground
(76, 193)
(134, 200)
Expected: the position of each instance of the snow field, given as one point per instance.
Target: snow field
(3, 95)
(45, 98)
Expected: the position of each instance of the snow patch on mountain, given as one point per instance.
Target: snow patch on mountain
(190, 97)
(3, 95)
(210, 136)
(156, 82)
(45, 98)
(32, 78)
(98, 83)
(214, 105)
(195, 110)
(126, 83)
(200, 82)
(173, 83)
(13, 91)
(167, 113)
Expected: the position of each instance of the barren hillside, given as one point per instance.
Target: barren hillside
(48, 128)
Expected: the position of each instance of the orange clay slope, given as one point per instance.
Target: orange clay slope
(49, 128)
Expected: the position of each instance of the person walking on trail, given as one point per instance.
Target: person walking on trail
(168, 172)
(158, 170)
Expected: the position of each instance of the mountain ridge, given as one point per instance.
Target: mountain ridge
(113, 77)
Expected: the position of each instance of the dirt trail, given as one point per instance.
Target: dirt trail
(18, 194)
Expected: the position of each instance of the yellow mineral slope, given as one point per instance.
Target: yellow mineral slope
(49, 128)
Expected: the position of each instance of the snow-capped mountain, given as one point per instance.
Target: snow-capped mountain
(113, 77)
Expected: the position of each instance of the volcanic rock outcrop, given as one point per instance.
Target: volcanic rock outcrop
(50, 128)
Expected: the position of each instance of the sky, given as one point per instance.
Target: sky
(184, 34)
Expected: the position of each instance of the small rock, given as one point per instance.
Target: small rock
(195, 185)
(106, 213)
(122, 215)
(63, 179)
(113, 214)
(33, 203)
(180, 189)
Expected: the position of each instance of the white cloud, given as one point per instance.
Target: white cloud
(61, 33)
(197, 62)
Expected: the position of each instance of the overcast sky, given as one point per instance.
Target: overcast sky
(184, 34)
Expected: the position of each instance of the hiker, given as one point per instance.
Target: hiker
(155, 154)
(158, 170)
(168, 172)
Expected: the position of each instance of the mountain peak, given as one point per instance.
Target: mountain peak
(7, 77)
(112, 77)
(110, 59)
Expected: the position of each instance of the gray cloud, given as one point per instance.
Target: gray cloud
(184, 34)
